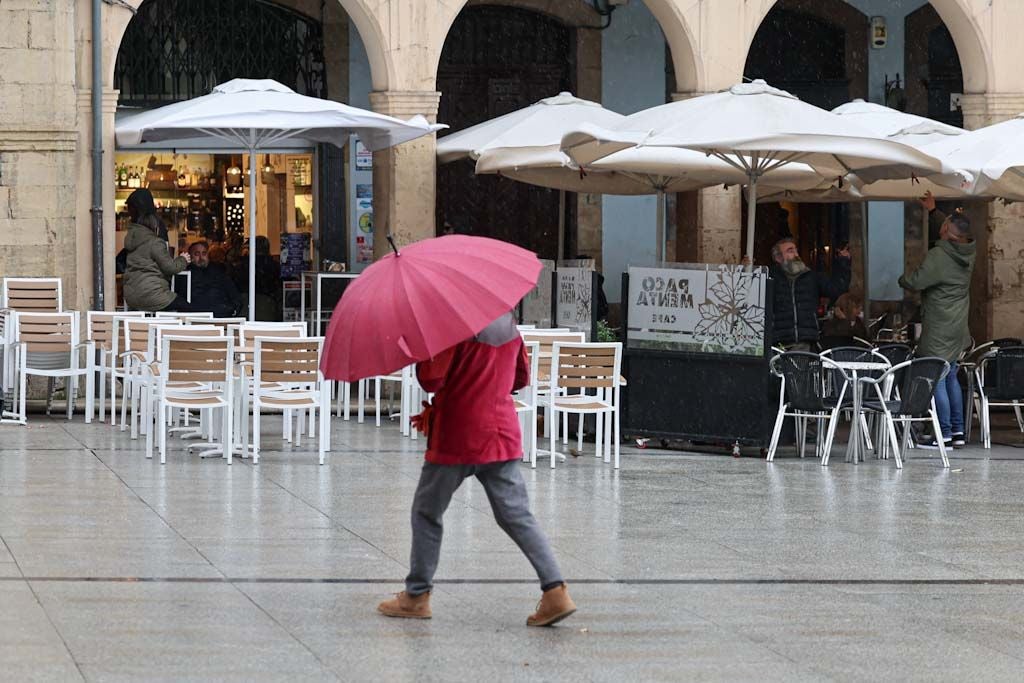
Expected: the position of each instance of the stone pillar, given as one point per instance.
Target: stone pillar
(405, 177)
(710, 221)
(38, 142)
(998, 290)
(83, 217)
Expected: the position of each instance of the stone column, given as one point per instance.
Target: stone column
(998, 290)
(710, 221)
(405, 177)
(38, 142)
(83, 217)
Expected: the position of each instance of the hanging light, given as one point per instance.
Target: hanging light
(233, 176)
(268, 176)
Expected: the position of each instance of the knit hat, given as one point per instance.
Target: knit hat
(141, 202)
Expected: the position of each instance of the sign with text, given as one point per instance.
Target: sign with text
(537, 304)
(574, 302)
(701, 308)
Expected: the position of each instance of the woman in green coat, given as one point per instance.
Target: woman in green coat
(944, 280)
(149, 265)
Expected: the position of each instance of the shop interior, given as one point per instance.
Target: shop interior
(206, 197)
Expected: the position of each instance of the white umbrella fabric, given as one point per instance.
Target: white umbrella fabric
(669, 169)
(256, 115)
(993, 155)
(758, 130)
(890, 124)
(525, 145)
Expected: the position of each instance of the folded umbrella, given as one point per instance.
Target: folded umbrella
(413, 304)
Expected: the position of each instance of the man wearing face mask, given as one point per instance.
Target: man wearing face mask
(797, 289)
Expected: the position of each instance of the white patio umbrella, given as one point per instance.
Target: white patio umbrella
(889, 124)
(257, 115)
(524, 145)
(758, 130)
(993, 155)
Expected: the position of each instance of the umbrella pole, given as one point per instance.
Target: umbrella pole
(864, 261)
(659, 255)
(751, 218)
(252, 234)
(561, 226)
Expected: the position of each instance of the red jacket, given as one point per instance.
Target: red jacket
(474, 421)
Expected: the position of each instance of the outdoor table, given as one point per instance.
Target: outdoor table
(317, 305)
(853, 447)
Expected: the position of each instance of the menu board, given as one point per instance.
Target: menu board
(294, 250)
(574, 302)
(537, 304)
(703, 308)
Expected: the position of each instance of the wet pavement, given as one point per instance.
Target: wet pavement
(684, 566)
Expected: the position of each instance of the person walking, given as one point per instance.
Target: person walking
(944, 280)
(473, 431)
(148, 263)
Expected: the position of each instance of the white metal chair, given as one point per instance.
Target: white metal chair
(29, 295)
(148, 376)
(918, 379)
(195, 373)
(526, 406)
(104, 330)
(588, 367)
(136, 355)
(401, 379)
(286, 376)
(245, 335)
(48, 345)
(547, 339)
(1000, 383)
(804, 395)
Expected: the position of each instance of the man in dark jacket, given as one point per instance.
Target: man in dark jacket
(944, 280)
(797, 289)
(212, 289)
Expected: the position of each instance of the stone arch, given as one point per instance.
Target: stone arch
(681, 42)
(959, 19)
(570, 13)
(361, 14)
(666, 12)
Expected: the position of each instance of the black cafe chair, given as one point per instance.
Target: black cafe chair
(804, 395)
(916, 402)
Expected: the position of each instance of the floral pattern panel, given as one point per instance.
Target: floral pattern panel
(701, 308)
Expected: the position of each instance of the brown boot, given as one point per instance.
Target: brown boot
(555, 605)
(407, 606)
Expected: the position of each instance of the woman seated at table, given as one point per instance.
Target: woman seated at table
(846, 323)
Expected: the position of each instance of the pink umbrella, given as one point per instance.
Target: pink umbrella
(413, 304)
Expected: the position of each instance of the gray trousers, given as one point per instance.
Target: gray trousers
(506, 491)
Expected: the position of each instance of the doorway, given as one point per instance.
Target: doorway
(498, 59)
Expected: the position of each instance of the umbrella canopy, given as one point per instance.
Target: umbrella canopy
(257, 115)
(758, 129)
(536, 128)
(993, 155)
(891, 124)
(525, 145)
(411, 305)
